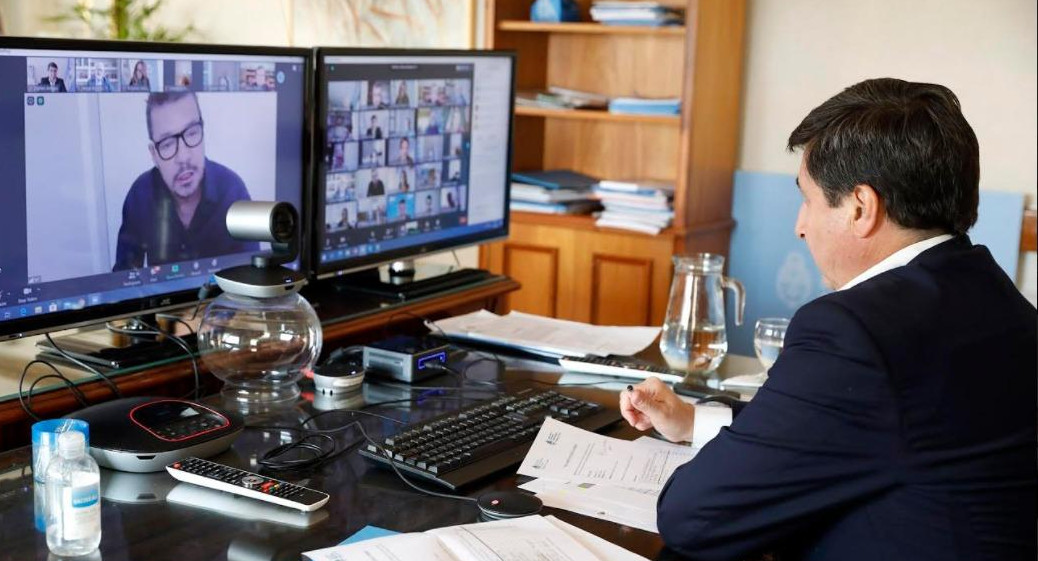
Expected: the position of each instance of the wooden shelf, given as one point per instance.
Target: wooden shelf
(596, 115)
(587, 222)
(589, 28)
(567, 266)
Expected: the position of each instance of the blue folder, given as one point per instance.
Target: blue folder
(555, 179)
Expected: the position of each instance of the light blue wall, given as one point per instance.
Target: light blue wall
(776, 268)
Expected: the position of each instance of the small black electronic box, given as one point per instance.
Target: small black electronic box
(144, 434)
(405, 358)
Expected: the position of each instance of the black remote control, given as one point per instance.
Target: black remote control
(247, 484)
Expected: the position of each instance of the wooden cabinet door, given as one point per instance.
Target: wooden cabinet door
(621, 290)
(536, 268)
(582, 274)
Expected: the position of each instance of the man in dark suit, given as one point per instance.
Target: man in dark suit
(374, 131)
(899, 422)
(51, 80)
(375, 186)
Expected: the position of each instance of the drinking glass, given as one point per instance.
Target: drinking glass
(767, 339)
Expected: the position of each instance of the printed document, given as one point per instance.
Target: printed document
(631, 507)
(533, 538)
(605, 550)
(567, 453)
(549, 336)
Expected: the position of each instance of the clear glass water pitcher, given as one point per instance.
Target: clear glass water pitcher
(694, 339)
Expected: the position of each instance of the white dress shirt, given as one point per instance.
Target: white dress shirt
(710, 419)
(897, 259)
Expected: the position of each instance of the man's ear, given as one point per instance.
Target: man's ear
(154, 153)
(867, 210)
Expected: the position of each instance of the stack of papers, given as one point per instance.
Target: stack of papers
(546, 336)
(636, 13)
(524, 192)
(643, 206)
(561, 98)
(555, 179)
(574, 99)
(568, 207)
(553, 192)
(600, 476)
(530, 538)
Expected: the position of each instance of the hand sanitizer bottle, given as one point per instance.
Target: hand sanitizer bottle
(73, 498)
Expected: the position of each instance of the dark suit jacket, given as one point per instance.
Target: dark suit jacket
(59, 84)
(376, 188)
(898, 423)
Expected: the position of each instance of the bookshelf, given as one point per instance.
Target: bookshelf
(567, 266)
(593, 115)
(588, 27)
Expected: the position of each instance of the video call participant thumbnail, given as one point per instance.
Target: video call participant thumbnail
(375, 187)
(139, 80)
(51, 80)
(176, 210)
(403, 153)
(375, 129)
(99, 79)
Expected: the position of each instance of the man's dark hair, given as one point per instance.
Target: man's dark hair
(159, 99)
(908, 141)
(53, 65)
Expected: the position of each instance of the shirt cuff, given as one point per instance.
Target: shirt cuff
(709, 421)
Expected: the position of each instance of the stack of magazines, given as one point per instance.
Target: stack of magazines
(561, 98)
(553, 192)
(642, 206)
(636, 13)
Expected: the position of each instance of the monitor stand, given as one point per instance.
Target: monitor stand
(108, 349)
(405, 280)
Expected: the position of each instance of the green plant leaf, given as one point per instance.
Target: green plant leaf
(123, 19)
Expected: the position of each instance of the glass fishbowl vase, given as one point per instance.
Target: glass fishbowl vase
(259, 347)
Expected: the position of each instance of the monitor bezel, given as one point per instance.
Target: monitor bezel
(352, 264)
(16, 328)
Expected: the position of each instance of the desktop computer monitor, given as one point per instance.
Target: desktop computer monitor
(413, 154)
(120, 160)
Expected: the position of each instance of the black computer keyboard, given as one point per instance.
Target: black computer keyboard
(466, 445)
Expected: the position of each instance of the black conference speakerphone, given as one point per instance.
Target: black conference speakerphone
(144, 434)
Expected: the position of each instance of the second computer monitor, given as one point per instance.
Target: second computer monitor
(413, 153)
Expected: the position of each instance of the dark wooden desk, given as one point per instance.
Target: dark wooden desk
(139, 523)
(347, 318)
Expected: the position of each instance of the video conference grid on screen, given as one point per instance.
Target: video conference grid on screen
(137, 156)
(396, 155)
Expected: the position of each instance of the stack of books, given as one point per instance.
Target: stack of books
(561, 98)
(553, 192)
(645, 106)
(636, 13)
(642, 206)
